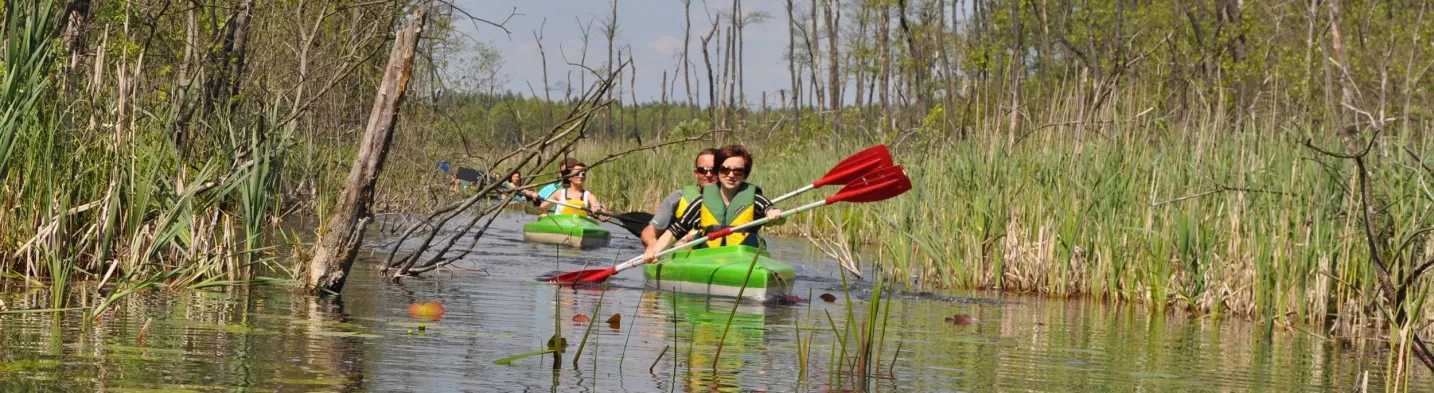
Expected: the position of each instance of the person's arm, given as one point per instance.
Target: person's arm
(666, 209)
(548, 203)
(686, 222)
(766, 206)
(596, 206)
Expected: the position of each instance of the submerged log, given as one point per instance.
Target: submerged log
(334, 253)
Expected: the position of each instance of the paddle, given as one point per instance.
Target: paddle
(879, 185)
(852, 168)
(633, 222)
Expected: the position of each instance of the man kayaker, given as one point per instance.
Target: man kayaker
(706, 173)
(548, 190)
(574, 194)
(730, 202)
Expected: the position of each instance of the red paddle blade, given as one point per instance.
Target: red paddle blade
(590, 275)
(856, 166)
(882, 184)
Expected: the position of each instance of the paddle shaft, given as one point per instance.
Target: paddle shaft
(575, 207)
(724, 232)
(796, 192)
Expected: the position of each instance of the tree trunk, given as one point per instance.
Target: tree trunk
(815, 46)
(76, 21)
(883, 43)
(335, 252)
(1017, 49)
(792, 68)
(686, 44)
(833, 14)
(711, 79)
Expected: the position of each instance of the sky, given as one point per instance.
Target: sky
(653, 28)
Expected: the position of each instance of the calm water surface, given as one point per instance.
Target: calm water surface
(271, 339)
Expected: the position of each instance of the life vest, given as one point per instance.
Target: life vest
(581, 202)
(716, 216)
(689, 194)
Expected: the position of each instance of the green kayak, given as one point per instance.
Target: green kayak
(719, 271)
(567, 229)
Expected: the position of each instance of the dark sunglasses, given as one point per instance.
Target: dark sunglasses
(739, 171)
(704, 170)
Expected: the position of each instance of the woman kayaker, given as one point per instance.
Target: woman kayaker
(515, 180)
(573, 193)
(729, 203)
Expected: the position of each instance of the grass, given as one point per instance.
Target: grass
(1251, 224)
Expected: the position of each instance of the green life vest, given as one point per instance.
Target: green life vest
(716, 215)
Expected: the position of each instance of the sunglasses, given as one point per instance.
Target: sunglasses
(704, 170)
(738, 171)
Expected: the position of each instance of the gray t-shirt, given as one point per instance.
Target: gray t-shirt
(664, 214)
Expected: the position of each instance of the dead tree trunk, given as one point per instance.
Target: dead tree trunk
(792, 68)
(834, 85)
(77, 15)
(883, 43)
(335, 252)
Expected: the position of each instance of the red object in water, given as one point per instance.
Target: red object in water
(431, 311)
(580, 318)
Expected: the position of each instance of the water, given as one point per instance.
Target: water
(272, 339)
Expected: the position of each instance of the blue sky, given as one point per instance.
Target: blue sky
(653, 28)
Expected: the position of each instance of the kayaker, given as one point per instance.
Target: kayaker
(573, 193)
(706, 173)
(730, 202)
(548, 190)
(515, 180)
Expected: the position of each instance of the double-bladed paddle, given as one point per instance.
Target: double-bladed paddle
(876, 185)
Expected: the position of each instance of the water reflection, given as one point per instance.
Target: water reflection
(272, 339)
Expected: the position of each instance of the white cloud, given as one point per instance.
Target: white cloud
(666, 45)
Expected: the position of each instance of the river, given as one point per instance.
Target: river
(264, 338)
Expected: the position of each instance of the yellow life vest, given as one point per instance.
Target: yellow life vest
(689, 194)
(715, 216)
(580, 202)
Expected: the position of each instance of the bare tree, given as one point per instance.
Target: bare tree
(834, 85)
(334, 253)
(792, 68)
(686, 46)
(884, 49)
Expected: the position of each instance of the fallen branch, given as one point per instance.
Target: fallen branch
(1219, 188)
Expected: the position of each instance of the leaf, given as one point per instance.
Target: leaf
(509, 360)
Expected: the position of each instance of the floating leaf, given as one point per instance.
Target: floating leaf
(615, 318)
(430, 311)
(962, 319)
(580, 318)
(828, 297)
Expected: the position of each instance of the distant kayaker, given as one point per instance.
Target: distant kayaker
(705, 171)
(515, 180)
(730, 202)
(574, 194)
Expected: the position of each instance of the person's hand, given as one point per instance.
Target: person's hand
(649, 256)
(773, 214)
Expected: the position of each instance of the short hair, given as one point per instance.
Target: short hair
(706, 151)
(570, 162)
(735, 151)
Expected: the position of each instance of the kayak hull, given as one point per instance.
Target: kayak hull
(567, 229)
(721, 271)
